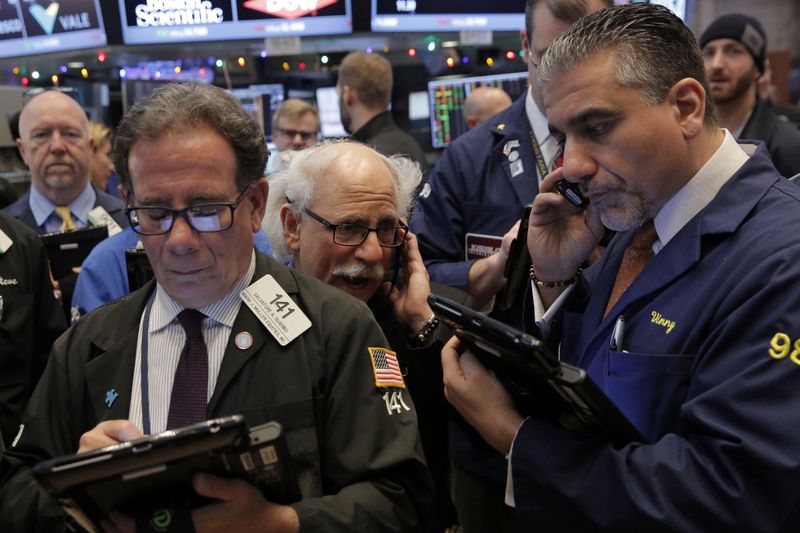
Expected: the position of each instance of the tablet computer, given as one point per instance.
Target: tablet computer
(156, 471)
(540, 384)
(68, 249)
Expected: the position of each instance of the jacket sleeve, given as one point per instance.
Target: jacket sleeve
(373, 472)
(439, 221)
(48, 432)
(732, 460)
(102, 279)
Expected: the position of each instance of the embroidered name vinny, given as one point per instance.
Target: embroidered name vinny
(8, 281)
(659, 320)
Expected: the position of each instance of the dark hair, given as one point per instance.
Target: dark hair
(179, 109)
(652, 47)
(563, 10)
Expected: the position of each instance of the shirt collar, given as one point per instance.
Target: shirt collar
(700, 190)
(42, 207)
(223, 311)
(537, 119)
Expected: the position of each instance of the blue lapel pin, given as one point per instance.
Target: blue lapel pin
(111, 397)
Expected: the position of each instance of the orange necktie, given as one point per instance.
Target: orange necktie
(636, 256)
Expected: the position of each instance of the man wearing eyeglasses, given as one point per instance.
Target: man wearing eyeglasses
(337, 214)
(192, 160)
(295, 126)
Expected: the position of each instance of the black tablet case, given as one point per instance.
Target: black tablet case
(136, 476)
(540, 384)
(68, 249)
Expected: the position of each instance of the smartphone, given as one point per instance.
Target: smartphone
(572, 192)
(394, 274)
(517, 266)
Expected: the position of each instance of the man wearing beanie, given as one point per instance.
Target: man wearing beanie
(735, 50)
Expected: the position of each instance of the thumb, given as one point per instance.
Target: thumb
(212, 486)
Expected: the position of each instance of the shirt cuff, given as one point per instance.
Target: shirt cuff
(543, 317)
(509, 499)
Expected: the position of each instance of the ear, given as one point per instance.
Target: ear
(258, 203)
(688, 99)
(290, 222)
(472, 122)
(123, 193)
(348, 95)
(523, 40)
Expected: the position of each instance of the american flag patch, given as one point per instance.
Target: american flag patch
(386, 368)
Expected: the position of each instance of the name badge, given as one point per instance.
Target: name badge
(5, 242)
(100, 217)
(275, 309)
(477, 246)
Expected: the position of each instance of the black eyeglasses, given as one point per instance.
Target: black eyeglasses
(204, 218)
(305, 135)
(390, 234)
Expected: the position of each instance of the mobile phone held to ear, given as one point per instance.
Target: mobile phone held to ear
(571, 191)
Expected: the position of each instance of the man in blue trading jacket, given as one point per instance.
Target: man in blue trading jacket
(476, 191)
(473, 197)
(707, 366)
(55, 143)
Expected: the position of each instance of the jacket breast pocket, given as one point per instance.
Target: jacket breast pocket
(649, 388)
(298, 421)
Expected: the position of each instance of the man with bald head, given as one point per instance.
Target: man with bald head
(55, 143)
(483, 103)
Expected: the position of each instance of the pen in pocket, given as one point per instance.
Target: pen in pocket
(617, 335)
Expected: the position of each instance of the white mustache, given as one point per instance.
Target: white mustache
(359, 270)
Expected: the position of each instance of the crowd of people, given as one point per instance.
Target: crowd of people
(671, 289)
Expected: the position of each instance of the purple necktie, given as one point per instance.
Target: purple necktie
(187, 404)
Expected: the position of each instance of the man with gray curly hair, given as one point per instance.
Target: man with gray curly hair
(322, 213)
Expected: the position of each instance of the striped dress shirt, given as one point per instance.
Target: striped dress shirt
(166, 338)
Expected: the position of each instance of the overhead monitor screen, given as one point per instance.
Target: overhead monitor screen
(447, 101)
(676, 6)
(329, 118)
(261, 101)
(446, 15)
(173, 21)
(30, 27)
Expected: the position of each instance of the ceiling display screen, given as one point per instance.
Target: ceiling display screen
(30, 27)
(174, 21)
(447, 15)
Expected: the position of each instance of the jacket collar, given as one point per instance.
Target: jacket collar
(112, 368)
(724, 215)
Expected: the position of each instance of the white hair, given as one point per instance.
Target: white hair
(296, 184)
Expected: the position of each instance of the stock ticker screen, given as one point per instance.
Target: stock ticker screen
(447, 97)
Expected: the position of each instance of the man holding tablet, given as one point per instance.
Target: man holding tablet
(223, 330)
(706, 365)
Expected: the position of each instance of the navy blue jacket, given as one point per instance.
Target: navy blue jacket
(471, 190)
(21, 209)
(709, 373)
